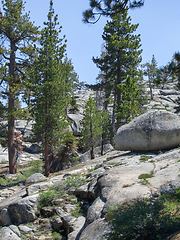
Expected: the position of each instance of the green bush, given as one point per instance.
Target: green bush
(145, 219)
(46, 197)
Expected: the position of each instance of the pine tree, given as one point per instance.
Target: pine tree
(130, 101)
(91, 127)
(122, 58)
(100, 8)
(151, 71)
(71, 80)
(17, 35)
(49, 87)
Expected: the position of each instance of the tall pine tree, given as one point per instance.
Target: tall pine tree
(17, 35)
(121, 59)
(49, 88)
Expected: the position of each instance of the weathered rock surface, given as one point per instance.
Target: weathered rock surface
(154, 130)
(35, 178)
(116, 179)
(99, 229)
(76, 127)
(10, 233)
(169, 92)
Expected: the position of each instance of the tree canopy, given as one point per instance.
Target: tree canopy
(17, 37)
(110, 8)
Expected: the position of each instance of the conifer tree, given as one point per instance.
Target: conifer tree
(17, 35)
(121, 59)
(130, 101)
(91, 127)
(111, 8)
(71, 80)
(151, 71)
(49, 88)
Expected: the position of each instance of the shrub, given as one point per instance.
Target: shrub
(46, 197)
(143, 219)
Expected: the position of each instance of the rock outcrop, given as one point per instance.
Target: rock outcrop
(154, 130)
(111, 179)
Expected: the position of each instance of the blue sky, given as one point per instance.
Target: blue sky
(159, 26)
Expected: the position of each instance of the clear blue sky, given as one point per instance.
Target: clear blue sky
(159, 26)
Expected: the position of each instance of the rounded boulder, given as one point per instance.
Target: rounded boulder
(153, 130)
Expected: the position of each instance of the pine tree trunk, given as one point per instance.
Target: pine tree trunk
(92, 146)
(92, 152)
(11, 117)
(11, 145)
(113, 121)
(46, 158)
(102, 144)
(150, 87)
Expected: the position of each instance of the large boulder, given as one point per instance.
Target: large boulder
(24, 211)
(154, 130)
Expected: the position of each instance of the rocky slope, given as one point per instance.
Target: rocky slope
(108, 180)
(76, 200)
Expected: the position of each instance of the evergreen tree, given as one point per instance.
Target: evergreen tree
(49, 87)
(17, 35)
(71, 80)
(91, 127)
(176, 67)
(111, 8)
(151, 71)
(130, 102)
(122, 57)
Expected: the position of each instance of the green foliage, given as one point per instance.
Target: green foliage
(60, 191)
(144, 158)
(51, 84)
(107, 8)
(77, 212)
(92, 130)
(145, 218)
(119, 61)
(56, 236)
(145, 175)
(17, 37)
(151, 71)
(46, 197)
(31, 168)
(74, 181)
(130, 100)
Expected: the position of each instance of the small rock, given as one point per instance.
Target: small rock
(56, 223)
(24, 228)
(36, 177)
(47, 211)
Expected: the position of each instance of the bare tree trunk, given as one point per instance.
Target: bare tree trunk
(113, 122)
(92, 146)
(11, 117)
(11, 145)
(102, 144)
(46, 158)
(150, 87)
(92, 152)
